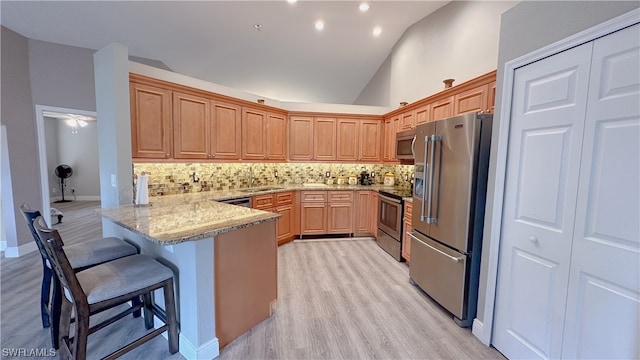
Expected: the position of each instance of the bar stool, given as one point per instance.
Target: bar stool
(105, 286)
(81, 256)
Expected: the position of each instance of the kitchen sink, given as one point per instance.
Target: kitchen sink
(259, 189)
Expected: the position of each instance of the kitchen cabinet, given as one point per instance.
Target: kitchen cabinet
(407, 121)
(276, 136)
(406, 240)
(301, 138)
(391, 128)
(347, 139)
(324, 139)
(421, 115)
(283, 204)
(472, 100)
(441, 109)
(362, 218)
(370, 140)
(326, 212)
(254, 144)
(151, 134)
(313, 212)
(226, 136)
(191, 126)
(491, 98)
(373, 213)
(340, 212)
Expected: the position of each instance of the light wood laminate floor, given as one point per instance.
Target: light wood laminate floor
(337, 299)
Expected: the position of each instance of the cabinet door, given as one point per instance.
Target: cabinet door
(362, 206)
(276, 136)
(150, 122)
(387, 134)
(340, 218)
(263, 202)
(373, 220)
(370, 140)
(441, 109)
(225, 130)
(324, 139)
(491, 98)
(348, 141)
(406, 242)
(313, 218)
(191, 127)
(285, 223)
(471, 100)
(301, 138)
(421, 115)
(406, 121)
(254, 144)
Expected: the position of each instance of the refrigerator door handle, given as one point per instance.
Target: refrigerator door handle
(424, 180)
(413, 147)
(452, 258)
(430, 219)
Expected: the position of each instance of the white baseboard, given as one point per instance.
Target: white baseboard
(210, 350)
(3, 245)
(76, 198)
(17, 251)
(477, 329)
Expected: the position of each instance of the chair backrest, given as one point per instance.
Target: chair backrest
(52, 243)
(30, 216)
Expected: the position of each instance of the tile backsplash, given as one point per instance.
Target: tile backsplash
(177, 178)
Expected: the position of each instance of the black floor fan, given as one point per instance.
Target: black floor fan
(63, 172)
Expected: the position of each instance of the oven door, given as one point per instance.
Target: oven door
(390, 216)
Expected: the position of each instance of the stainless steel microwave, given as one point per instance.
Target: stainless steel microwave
(405, 141)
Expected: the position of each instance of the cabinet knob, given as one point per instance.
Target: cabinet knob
(166, 155)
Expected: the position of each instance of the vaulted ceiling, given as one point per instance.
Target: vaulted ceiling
(269, 48)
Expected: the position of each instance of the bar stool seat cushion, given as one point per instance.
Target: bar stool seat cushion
(120, 277)
(91, 252)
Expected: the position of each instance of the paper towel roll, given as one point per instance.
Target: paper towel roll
(142, 190)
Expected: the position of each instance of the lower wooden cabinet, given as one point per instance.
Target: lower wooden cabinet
(406, 239)
(313, 218)
(373, 221)
(283, 204)
(326, 212)
(362, 216)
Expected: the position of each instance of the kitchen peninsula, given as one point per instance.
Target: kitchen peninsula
(224, 258)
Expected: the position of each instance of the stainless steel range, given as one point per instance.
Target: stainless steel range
(390, 224)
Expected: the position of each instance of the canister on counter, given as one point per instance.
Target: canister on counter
(353, 179)
(389, 179)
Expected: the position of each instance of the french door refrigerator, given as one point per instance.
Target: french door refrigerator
(451, 165)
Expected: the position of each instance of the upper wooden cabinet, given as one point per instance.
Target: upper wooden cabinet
(491, 97)
(371, 140)
(254, 125)
(348, 140)
(190, 127)
(324, 139)
(421, 114)
(151, 134)
(441, 109)
(225, 133)
(471, 100)
(276, 136)
(407, 121)
(301, 138)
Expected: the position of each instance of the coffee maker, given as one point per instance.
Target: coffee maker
(364, 178)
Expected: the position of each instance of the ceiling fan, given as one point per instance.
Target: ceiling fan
(73, 120)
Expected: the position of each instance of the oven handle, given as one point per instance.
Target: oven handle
(385, 198)
(424, 180)
(453, 258)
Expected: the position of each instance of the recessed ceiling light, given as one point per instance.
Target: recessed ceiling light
(257, 27)
(292, 1)
(377, 31)
(319, 25)
(363, 7)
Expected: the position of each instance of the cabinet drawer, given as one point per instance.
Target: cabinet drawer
(262, 201)
(284, 198)
(408, 211)
(340, 196)
(313, 196)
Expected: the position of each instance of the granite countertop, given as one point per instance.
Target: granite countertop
(173, 219)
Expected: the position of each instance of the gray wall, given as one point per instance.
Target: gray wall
(527, 27)
(458, 41)
(17, 114)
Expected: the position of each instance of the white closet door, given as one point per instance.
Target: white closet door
(603, 305)
(545, 145)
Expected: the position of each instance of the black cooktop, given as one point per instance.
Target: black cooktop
(396, 193)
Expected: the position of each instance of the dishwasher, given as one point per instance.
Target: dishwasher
(243, 201)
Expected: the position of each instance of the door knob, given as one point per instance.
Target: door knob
(533, 239)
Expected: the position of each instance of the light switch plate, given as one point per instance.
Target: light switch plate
(114, 180)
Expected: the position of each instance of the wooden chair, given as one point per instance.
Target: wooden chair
(81, 256)
(103, 287)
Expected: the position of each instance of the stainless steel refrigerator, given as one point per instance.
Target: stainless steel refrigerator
(451, 165)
